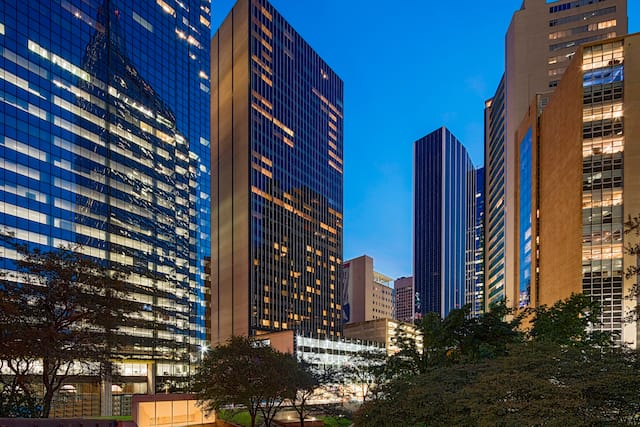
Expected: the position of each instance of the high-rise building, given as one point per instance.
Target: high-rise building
(494, 229)
(368, 294)
(584, 182)
(405, 301)
(541, 40)
(277, 150)
(444, 222)
(475, 294)
(104, 143)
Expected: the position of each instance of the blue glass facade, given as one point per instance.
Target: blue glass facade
(444, 221)
(525, 225)
(278, 159)
(104, 142)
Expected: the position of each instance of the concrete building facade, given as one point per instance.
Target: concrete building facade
(541, 40)
(582, 184)
(369, 294)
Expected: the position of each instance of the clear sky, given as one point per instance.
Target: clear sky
(408, 67)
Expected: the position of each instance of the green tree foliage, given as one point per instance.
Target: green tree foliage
(569, 321)
(244, 372)
(632, 229)
(484, 372)
(455, 339)
(59, 310)
(534, 384)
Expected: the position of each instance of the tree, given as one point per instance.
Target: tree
(632, 227)
(571, 321)
(370, 370)
(59, 309)
(244, 372)
(305, 380)
(455, 339)
(535, 383)
(566, 373)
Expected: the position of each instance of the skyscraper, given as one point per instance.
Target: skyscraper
(584, 184)
(541, 40)
(104, 143)
(444, 222)
(475, 295)
(277, 140)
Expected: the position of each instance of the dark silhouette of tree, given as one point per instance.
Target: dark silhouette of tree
(248, 373)
(59, 311)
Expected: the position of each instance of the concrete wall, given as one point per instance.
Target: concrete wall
(631, 161)
(561, 190)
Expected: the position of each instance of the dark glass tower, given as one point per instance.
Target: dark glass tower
(444, 222)
(277, 132)
(104, 143)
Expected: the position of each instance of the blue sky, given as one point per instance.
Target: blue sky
(407, 70)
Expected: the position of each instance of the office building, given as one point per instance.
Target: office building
(277, 141)
(405, 300)
(367, 294)
(444, 222)
(583, 183)
(541, 40)
(475, 294)
(104, 144)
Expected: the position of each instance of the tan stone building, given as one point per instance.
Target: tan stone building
(578, 180)
(541, 40)
(368, 295)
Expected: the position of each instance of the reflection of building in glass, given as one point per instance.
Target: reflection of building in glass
(541, 40)
(584, 182)
(370, 293)
(277, 160)
(105, 144)
(444, 222)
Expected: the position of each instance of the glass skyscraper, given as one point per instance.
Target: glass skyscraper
(277, 168)
(104, 143)
(444, 223)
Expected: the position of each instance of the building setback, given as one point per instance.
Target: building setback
(583, 181)
(277, 150)
(444, 222)
(104, 144)
(541, 40)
